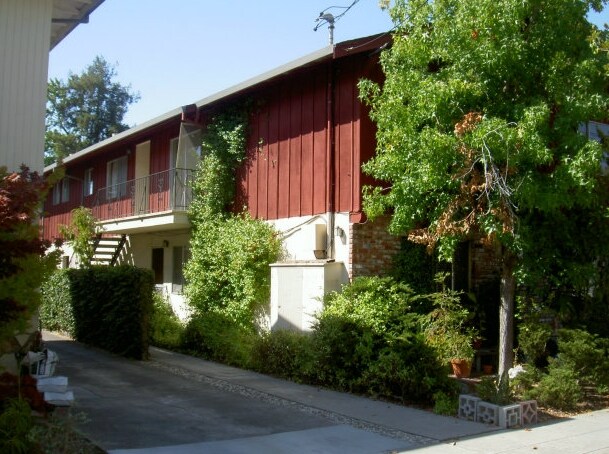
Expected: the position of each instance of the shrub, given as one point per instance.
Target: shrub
(228, 272)
(56, 310)
(406, 370)
(532, 338)
(165, 327)
(108, 307)
(15, 424)
(217, 338)
(368, 339)
(585, 353)
(414, 266)
(283, 353)
(559, 388)
(495, 391)
(446, 404)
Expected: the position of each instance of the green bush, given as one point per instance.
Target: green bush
(585, 353)
(165, 327)
(559, 388)
(228, 272)
(56, 311)
(414, 266)
(368, 340)
(495, 391)
(15, 424)
(283, 353)
(406, 370)
(217, 338)
(446, 404)
(532, 338)
(111, 307)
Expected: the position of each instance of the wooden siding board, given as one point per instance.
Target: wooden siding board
(306, 155)
(280, 165)
(320, 150)
(296, 133)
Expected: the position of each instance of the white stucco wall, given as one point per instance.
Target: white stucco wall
(298, 236)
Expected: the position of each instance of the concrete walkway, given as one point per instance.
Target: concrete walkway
(179, 404)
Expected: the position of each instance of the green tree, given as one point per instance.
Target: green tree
(478, 129)
(23, 263)
(85, 109)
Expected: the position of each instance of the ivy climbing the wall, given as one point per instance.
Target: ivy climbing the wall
(228, 273)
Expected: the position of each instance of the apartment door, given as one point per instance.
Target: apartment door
(142, 182)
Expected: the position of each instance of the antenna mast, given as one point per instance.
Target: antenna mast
(326, 18)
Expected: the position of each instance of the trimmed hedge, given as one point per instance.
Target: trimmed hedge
(110, 307)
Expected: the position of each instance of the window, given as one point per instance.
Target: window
(65, 262)
(181, 254)
(89, 188)
(61, 192)
(116, 178)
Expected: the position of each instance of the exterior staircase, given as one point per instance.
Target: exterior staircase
(107, 249)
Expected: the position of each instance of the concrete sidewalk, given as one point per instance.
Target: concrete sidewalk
(179, 404)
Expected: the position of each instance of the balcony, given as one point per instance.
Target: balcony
(155, 196)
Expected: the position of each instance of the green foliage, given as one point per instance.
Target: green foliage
(368, 339)
(218, 338)
(228, 272)
(559, 388)
(533, 336)
(84, 110)
(414, 266)
(223, 149)
(495, 391)
(80, 233)
(445, 404)
(166, 329)
(586, 354)
(447, 327)
(478, 134)
(110, 307)
(56, 311)
(15, 424)
(23, 263)
(284, 353)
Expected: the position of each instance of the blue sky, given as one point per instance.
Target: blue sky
(177, 52)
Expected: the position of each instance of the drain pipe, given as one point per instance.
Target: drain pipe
(331, 253)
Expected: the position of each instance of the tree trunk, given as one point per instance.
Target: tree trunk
(506, 315)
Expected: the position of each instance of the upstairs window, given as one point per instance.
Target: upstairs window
(116, 178)
(89, 187)
(61, 192)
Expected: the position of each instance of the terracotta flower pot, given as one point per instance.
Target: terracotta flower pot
(461, 367)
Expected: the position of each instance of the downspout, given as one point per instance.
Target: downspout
(331, 254)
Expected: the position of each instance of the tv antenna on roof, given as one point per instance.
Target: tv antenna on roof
(326, 18)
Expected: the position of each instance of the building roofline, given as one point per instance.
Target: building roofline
(325, 53)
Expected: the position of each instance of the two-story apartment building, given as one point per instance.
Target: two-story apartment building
(308, 136)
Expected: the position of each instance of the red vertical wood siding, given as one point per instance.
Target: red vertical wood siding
(287, 172)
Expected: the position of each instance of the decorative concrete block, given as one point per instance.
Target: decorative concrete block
(487, 413)
(467, 406)
(509, 416)
(528, 412)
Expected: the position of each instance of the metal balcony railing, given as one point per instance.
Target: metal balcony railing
(169, 190)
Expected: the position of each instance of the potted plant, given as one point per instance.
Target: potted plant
(446, 329)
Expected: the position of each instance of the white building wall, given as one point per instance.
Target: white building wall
(25, 31)
(139, 253)
(298, 235)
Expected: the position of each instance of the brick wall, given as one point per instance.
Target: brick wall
(485, 263)
(372, 248)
